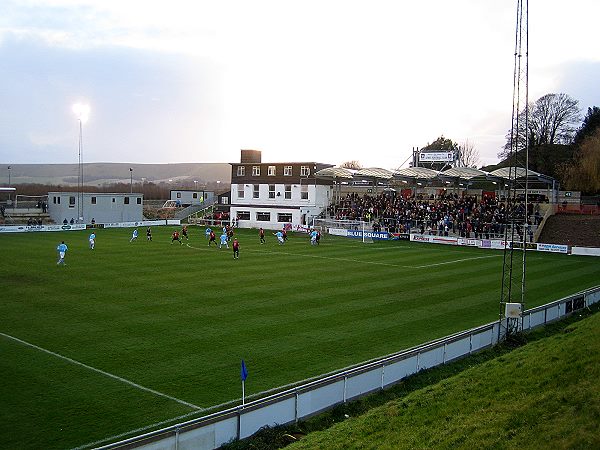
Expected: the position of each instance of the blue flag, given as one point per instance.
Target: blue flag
(243, 371)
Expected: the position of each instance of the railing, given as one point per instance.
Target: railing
(549, 212)
(195, 209)
(496, 231)
(312, 397)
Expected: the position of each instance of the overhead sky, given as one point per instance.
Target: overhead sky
(331, 81)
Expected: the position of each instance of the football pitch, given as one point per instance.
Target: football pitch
(131, 336)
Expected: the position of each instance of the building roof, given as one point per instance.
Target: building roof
(464, 173)
(531, 175)
(416, 173)
(506, 172)
(335, 172)
(375, 172)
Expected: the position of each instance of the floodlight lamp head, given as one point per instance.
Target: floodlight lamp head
(82, 111)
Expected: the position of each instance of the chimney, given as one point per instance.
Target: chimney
(250, 157)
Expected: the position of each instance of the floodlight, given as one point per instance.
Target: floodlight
(82, 111)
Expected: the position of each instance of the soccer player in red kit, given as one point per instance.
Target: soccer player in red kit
(236, 249)
(212, 238)
(175, 237)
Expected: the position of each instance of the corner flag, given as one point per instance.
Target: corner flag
(243, 376)
(243, 371)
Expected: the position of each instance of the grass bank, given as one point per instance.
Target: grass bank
(541, 390)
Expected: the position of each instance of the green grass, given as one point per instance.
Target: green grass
(544, 395)
(178, 320)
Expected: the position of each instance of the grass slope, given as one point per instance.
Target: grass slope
(543, 395)
(178, 319)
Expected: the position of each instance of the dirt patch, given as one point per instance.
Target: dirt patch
(570, 229)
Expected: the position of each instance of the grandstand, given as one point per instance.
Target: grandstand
(446, 215)
(462, 202)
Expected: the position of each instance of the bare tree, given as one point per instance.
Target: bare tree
(469, 155)
(355, 165)
(552, 120)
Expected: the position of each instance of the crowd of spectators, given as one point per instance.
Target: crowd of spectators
(446, 214)
(219, 218)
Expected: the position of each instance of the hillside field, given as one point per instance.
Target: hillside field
(133, 336)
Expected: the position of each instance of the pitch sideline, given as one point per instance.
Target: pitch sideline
(102, 372)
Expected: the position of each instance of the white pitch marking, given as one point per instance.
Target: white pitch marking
(326, 257)
(375, 262)
(110, 375)
(455, 261)
(137, 430)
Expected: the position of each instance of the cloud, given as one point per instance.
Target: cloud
(331, 81)
(141, 104)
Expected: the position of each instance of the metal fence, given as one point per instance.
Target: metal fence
(308, 399)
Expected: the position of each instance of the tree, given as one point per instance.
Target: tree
(591, 122)
(552, 120)
(441, 144)
(583, 173)
(468, 155)
(355, 165)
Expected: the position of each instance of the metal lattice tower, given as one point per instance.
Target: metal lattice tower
(516, 231)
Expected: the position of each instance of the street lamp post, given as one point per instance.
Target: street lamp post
(131, 180)
(9, 196)
(82, 112)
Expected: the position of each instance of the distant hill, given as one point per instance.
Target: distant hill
(97, 174)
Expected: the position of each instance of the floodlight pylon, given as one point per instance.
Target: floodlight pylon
(516, 227)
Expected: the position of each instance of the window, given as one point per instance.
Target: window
(263, 216)
(240, 190)
(56, 200)
(256, 191)
(272, 171)
(139, 200)
(243, 215)
(241, 171)
(304, 171)
(114, 200)
(179, 195)
(195, 195)
(284, 217)
(288, 191)
(256, 171)
(72, 201)
(287, 171)
(271, 191)
(126, 200)
(304, 192)
(224, 200)
(93, 200)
